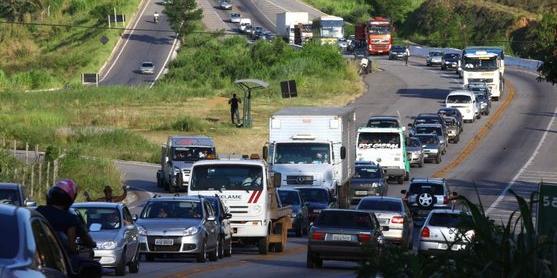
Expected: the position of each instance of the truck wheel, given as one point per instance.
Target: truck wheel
(263, 246)
(400, 179)
(278, 247)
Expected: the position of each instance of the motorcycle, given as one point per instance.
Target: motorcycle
(364, 66)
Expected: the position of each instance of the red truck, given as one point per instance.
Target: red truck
(377, 33)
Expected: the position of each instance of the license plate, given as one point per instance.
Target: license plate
(455, 247)
(341, 237)
(360, 193)
(164, 241)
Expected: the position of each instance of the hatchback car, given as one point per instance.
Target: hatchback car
(445, 229)
(181, 225)
(316, 199)
(292, 198)
(14, 194)
(434, 58)
(368, 180)
(117, 235)
(341, 235)
(393, 213)
(427, 118)
(425, 194)
(222, 217)
(415, 152)
(431, 147)
(450, 61)
(234, 17)
(397, 52)
(147, 68)
(30, 247)
(225, 5)
(437, 129)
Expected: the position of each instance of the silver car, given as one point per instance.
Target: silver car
(147, 68)
(445, 229)
(393, 213)
(425, 194)
(434, 58)
(415, 151)
(225, 5)
(182, 225)
(112, 227)
(235, 18)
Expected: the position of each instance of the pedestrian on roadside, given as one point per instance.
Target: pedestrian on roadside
(108, 196)
(234, 114)
(407, 54)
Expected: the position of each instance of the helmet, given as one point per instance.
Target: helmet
(63, 193)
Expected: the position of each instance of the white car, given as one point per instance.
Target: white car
(147, 68)
(465, 101)
(445, 229)
(235, 18)
(225, 5)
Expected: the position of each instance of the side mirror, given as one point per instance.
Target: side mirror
(277, 179)
(227, 216)
(265, 153)
(211, 218)
(342, 152)
(134, 217)
(95, 227)
(385, 228)
(403, 191)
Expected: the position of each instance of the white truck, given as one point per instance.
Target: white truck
(177, 157)
(247, 188)
(479, 65)
(313, 146)
(330, 29)
(287, 22)
(244, 24)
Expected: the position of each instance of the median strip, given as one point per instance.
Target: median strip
(474, 142)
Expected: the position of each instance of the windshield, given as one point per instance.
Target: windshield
(383, 123)
(314, 195)
(9, 197)
(345, 219)
(191, 153)
(379, 140)
(147, 65)
(397, 48)
(426, 120)
(367, 172)
(289, 197)
(429, 130)
(450, 220)
(451, 56)
(172, 209)
(428, 139)
(9, 241)
(416, 188)
(449, 112)
(435, 54)
(459, 99)
(480, 64)
(379, 30)
(109, 218)
(380, 205)
(331, 32)
(413, 142)
(302, 153)
(227, 177)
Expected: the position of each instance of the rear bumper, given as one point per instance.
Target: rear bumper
(435, 247)
(394, 235)
(249, 229)
(394, 172)
(346, 252)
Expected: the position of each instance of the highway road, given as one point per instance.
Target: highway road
(152, 42)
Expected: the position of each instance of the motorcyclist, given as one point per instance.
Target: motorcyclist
(364, 65)
(68, 226)
(156, 15)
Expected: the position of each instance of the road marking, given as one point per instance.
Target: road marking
(517, 176)
(474, 142)
(126, 42)
(166, 61)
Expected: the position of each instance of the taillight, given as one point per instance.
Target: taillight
(397, 220)
(318, 236)
(446, 200)
(364, 237)
(425, 232)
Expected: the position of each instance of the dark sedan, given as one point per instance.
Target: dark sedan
(397, 52)
(450, 61)
(341, 235)
(368, 180)
(292, 198)
(316, 200)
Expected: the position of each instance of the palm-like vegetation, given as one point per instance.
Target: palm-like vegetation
(16, 10)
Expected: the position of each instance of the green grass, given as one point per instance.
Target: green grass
(36, 57)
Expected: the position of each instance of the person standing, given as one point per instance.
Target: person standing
(234, 114)
(407, 54)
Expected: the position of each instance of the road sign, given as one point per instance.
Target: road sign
(288, 89)
(547, 209)
(90, 79)
(103, 39)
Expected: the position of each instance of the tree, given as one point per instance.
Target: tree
(544, 38)
(182, 15)
(15, 10)
(397, 10)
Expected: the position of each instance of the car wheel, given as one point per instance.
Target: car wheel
(228, 249)
(487, 112)
(313, 261)
(299, 230)
(438, 159)
(222, 246)
(202, 255)
(133, 266)
(456, 139)
(120, 269)
(263, 246)
(149, 257)
(214, 255)
(479, 116)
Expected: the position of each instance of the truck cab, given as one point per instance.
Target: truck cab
(246, 187)
(177, 157)
(483, 66)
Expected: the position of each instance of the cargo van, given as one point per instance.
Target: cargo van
(466, 102)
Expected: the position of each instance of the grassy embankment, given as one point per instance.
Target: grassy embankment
(38, 57)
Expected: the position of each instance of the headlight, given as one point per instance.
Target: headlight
(191, 231)
(375, 185)
(106, 245)
(294, 215)
(141, 231)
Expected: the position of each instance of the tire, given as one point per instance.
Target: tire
(120, 269)
(299, 230)
(133, 266)
(279, 247)
(313, 261)
(456, 139)
(214, 255)
(228, 249)
(202, 256)
(263, 246)
(220, 253)
(438, 159)
(149, 257)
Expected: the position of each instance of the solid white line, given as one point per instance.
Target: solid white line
(126, 42)
(165, 62)
(517, 176)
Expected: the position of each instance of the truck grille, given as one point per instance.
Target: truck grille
(299, 180)
(164, 248)
(238, 209)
